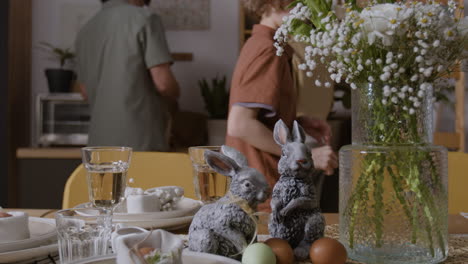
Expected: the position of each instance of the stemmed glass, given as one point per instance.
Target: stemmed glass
(106, 174)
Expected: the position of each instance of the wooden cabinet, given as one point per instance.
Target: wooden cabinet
(42, 174)
(246, 23)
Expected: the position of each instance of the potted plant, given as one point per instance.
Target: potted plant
(59, 80)
(216, 99)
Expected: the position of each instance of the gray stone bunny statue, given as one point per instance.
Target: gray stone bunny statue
(226, 226)
(296, 215)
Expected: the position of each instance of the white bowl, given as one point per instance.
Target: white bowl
(42, 230)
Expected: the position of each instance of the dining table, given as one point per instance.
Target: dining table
(458, 225)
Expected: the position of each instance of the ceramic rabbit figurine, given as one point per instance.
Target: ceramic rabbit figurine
(295, 214)
(226, 226)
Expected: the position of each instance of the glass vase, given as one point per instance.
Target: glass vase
(377, 120)
(393, 183)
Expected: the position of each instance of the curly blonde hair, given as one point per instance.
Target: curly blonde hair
(260, 7)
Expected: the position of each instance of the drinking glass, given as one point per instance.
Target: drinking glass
(83, 233)
(209, 185)
(106, 174)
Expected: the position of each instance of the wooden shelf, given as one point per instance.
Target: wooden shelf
(48, 153)
(245, 25)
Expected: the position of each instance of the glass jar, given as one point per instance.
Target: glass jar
(377, 120)
(393, 182)
(210, 186)
(393, 203)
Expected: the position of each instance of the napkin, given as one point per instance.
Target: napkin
(464, 215)
(169, 245)
(155, 199)
(15, 227)
(167, 195)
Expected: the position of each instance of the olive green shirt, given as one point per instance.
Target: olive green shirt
(114, 51)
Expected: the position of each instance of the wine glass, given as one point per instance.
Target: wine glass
(106, 174)
(209, 185)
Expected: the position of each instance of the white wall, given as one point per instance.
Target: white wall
(214, 51)
(48, 25)
(49, 22)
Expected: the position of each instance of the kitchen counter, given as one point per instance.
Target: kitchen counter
(48, 153)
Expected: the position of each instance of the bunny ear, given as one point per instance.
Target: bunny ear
(234, 154)
(221, 163)
(281, 133)
(298, 133)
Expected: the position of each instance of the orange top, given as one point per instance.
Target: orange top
(263, 80)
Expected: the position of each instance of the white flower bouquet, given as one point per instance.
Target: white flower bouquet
(402, 43)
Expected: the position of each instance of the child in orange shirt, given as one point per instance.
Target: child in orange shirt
(262, 92)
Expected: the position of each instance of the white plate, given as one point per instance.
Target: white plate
(167, 224)
(42, 232)
(184, 207)
(188, 257)
(28, 254)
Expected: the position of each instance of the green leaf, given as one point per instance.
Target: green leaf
(315, 6)
(154, 259)
(216, 97)
(301, 28)
(293, 4)
(61, 55)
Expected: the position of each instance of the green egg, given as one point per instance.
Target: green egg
(258, 253)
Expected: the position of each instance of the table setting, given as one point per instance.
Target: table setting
(48, 253)
(393, 205)
(135, 226)
(143, 209)
(84, 231)
(125, 224)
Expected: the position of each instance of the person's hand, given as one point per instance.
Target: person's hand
(318, 129)
(325, 159)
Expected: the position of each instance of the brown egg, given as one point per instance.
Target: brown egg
(145, 250)
(283, 251)
(3, 214)
(328, 251)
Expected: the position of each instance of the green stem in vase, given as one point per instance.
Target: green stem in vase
(399, 192)
(378, 176)
(375, 166)
(358, 200)
(414, 224)
(406, 170)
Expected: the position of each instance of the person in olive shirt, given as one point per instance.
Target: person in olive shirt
(123, 69)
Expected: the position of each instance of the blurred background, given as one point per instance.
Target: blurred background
(44, 120)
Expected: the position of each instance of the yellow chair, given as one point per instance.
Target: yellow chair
(458, 182)
(148, 169)
(455, 140)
